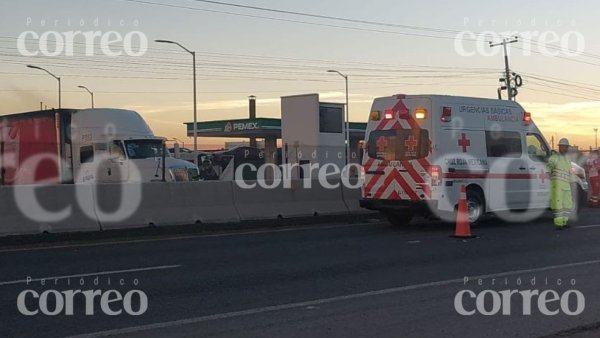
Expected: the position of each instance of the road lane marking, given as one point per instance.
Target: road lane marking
(316, 302)
(101, 273)
(588, 226)
(173, 238)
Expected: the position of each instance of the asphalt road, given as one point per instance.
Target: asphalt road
(335, 280)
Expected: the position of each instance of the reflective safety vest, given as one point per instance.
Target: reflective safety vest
(560, 171)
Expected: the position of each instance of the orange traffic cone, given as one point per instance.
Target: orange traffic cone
(463, 228)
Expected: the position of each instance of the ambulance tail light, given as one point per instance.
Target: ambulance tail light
(526, 118)
(435, 172)
(446, 114)
(420, 113)
(388, 114)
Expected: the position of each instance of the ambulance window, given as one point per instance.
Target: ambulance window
(536, 148)
(398, 145)
(503, 144)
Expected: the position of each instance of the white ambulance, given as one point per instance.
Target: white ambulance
(420, 149)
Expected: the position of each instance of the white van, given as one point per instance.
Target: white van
(420, 149)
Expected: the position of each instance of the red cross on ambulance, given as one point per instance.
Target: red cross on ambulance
(381, 143)
(411, 143)
(464, 142)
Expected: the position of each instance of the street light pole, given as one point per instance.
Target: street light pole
(89, 91)
(195, 105)
(195, 109)
(54, 76)
(596, 132)
(347, 123)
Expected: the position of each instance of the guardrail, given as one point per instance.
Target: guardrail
(78, 208)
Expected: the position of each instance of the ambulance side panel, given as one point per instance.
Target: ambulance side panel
(459, 149)
(509, 180)
(484, 146)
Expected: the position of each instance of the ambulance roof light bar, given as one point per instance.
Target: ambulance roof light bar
(421, 113)
(527, 118)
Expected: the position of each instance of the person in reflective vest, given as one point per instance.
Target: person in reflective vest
(593, 167)
(561, 202)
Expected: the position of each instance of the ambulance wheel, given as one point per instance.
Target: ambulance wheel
(582, 198)
(399, 218)
(579, 200)
(476, 206)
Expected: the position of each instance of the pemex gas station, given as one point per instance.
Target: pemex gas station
(309, 131)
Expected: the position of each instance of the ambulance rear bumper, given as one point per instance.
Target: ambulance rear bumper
(417, 207)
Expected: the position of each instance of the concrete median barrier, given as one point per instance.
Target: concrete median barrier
(68, 208)
(164, 204)
(280, 202)
(210, 202)
(31, 209)
(352, 197)
(135, 205)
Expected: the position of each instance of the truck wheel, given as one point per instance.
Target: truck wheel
(476, 206)
(399, 218)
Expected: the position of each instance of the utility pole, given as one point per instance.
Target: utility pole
(504, 43)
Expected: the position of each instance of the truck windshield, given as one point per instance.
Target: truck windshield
(140, 149)
(398, 145)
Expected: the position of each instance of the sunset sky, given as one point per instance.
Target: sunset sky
(407, 47)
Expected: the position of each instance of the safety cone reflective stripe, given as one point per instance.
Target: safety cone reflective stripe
(463, 228)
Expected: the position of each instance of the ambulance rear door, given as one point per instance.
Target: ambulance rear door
(397, 149)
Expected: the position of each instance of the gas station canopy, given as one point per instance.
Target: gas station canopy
(253, 128)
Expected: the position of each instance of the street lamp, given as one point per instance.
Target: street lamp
(54, 76)
(89, 91)
(195, 109)
(596, 132)
(347, 124)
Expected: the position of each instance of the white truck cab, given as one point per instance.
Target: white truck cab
(420, 149)
(116, 145)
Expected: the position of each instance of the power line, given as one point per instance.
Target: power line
(555, 81)
(564, 94)
(349, 20)
(294, 21)
(335, 18)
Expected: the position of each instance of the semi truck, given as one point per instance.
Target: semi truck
(61, 146)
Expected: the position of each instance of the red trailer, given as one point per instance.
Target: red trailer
(32, 146)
